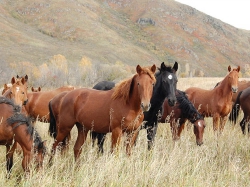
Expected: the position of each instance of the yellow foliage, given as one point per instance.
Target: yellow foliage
(60, 62)
(85, 62)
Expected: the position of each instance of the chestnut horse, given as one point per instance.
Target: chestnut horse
(18, 91)
(117, 110)
(177, 116)
(36, 89)
(103, 85)
(243, 102)
(16, 127)
(37, 107)
(216, 103)
(164, 88)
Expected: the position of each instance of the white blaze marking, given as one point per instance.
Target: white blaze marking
(199, 124)
(17, 89)
(170, 76)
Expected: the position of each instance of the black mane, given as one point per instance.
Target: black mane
(187, 108)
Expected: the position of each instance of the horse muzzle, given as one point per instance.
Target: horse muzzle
(171, 102)
(199, 143)
(234, 89)
(25, 102)
(144, 107)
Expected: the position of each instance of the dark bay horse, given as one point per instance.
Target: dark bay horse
(119, 110)
(37, 107)
(15, 127)
(177, 116)
(216, 103)
(164, 89)
(243, 102)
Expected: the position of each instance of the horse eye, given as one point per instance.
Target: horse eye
(138, 84)
(153, 84)
(11, 93)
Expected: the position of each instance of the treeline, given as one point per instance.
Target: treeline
(57, 72)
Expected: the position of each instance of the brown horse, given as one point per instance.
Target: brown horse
(216, 103)
(118, 110)
(16, 127)
(18, 91)
(36, 89)
(37, 107)
(243, 102)
(177, 116)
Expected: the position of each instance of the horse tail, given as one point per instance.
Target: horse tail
(235, 110)
(52, 123)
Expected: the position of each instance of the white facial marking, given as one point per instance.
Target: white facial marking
(17, 89)
(170, 77)
(199, 124)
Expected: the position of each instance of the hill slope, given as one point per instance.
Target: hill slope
(133, 32)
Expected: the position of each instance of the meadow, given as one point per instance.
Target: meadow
(223, 159)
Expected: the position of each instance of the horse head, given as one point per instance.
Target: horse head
(145, 83)
(167, 80)
(36, 89)
(199, 126)
(233, 77)
(18, 91)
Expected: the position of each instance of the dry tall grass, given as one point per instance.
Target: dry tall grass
(223, 160)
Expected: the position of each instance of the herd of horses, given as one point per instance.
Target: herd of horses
(150, 96)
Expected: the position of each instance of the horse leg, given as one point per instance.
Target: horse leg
(116, 138)
(243, 125)
(181, 127)
(9, 156)
(132, 136)
(216, 121)
(151, 132)
(223, 123)
(26, 161)
(101, 138)
(61, 134)
(82, 135)
(174, 129)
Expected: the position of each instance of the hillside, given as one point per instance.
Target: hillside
(132, 32)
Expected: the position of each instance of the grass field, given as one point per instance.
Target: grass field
(223, 160)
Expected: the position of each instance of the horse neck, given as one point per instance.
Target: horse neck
(158, 96)
(224, 89)
(134, 99)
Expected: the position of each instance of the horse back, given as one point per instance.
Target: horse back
(37, 105)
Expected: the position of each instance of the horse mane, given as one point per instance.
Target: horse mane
(124, 89)
(187, 108)
(8, 101)
(21, 119)
(164, 69)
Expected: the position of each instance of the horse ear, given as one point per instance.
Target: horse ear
(26, 78)
(32, 89)
(138, 69)
(238, 69)
(39, 88)
(175, 67)
(17, 76)
(5, 86)
(153, 68)
(23, 80)
(229, 68)
(162, 65)
(13, 80)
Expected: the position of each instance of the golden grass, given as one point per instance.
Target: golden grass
(223, 160)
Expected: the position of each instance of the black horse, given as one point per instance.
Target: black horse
(164, 88)
(243, 102)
